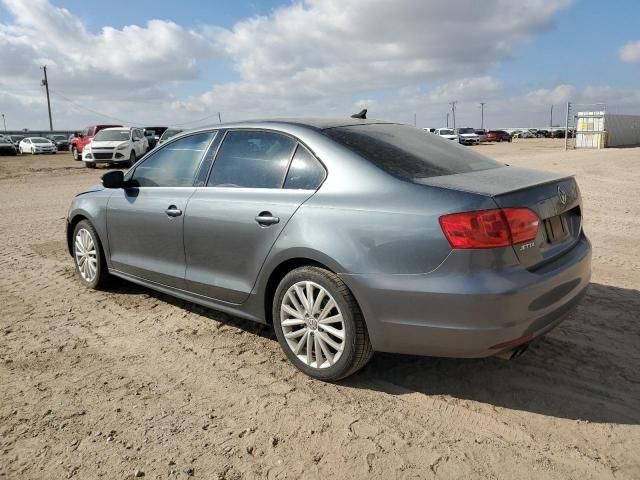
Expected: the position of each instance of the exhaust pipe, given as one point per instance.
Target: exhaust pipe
(514, 353)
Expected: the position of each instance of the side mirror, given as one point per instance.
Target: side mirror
(114, 179)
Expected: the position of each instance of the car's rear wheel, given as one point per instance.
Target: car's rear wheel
(88, 256)
(319, 324)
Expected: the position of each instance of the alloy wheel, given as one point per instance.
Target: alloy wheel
(312, 324)
(86, 255)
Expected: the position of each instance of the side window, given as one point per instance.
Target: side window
(305, 172)
(175, 164)
(251, 159)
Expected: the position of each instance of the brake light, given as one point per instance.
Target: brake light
(490, 228)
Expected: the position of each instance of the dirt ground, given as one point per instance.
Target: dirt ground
(131, 382)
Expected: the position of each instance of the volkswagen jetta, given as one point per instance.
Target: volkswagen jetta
(348, 236)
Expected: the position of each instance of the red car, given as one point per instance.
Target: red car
(78, 143)
(498, 136)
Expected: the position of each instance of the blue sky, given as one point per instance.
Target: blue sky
(180, 61)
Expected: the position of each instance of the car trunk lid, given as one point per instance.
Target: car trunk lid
(555, 198)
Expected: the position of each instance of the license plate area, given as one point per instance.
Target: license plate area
(557, 229)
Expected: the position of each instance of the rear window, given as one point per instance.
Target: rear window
(407, 153)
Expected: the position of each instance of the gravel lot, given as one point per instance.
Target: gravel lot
(131, 383)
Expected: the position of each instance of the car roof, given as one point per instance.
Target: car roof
(317, 123)
(117, 128)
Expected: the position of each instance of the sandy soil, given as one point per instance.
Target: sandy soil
(130, 382)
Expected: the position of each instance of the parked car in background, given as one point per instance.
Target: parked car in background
(447, 133)
(16, 139)
(524, 134)
(118, 145)
(153, 135)
(543, 134)
(169, 133)
(35, 145)
(498, 136)
(467, 136)
(558, 134)
(78, 143)
(482, 133)
(60, 141)
(263, 220)
(7, 147)
(430, 130)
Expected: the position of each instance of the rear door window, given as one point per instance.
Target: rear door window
(252, 159)
(407, 153)
(305, 171)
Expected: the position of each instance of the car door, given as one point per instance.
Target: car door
(145, 221)
(232, 222)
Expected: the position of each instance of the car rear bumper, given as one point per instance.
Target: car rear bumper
(453, 313)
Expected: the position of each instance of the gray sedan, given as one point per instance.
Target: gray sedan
(348, 236)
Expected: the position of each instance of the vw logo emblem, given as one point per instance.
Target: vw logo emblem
(562, 195)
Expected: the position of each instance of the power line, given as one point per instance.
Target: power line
(217, 114)
(95, 111)
(111, 117)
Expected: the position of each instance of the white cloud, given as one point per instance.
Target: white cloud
(320, 48)
(43, 33)
(318, 57)
(630, 52)
(547, 96)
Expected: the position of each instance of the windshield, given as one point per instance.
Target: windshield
(466, 130)
(407, 153)
(446, 132)
(40, 140)
(15, 138)
(58, 137)
(112, 136)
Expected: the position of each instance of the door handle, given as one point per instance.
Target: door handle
(173, 211)
(265, 219)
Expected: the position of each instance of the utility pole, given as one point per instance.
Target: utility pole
(551, 117)
(45, 84)
(219, 118)
(566, 128)
(4, 120)
(447, 119)
(453, 111)
(482, 104)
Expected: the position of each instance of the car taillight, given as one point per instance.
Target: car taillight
(490, 228)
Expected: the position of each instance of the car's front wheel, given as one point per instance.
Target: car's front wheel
(88, 256)
(319, 324)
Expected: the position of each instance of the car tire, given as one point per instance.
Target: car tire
(88, 256)
(90, 164)
(132, 159)
(302, 330)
